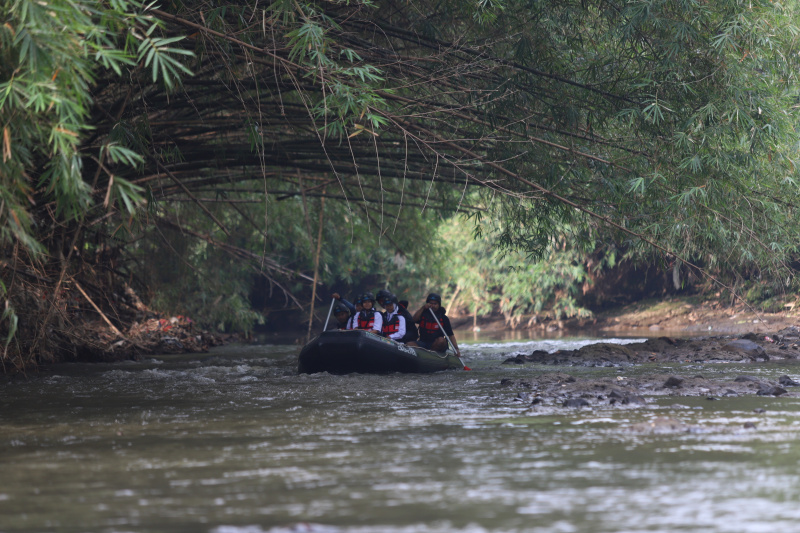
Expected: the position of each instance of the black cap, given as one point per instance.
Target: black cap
(340, 309)
(433, 297)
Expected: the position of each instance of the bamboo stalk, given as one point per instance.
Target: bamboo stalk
(316, 264)
(102, 315)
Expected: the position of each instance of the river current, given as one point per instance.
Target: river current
(235, 441)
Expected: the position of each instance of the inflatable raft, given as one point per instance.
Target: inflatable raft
(345, 352)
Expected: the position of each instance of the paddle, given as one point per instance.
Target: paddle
(448, 339)
(333, 301)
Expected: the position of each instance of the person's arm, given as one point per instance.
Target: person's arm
(447, 328)
(411, 328)
(347, 304)
(418, 315)
(377, 323)
(401, 328)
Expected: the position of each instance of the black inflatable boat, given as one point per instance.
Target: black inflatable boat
(345, 352)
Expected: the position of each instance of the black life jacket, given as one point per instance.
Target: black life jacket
(411, 329)
(365, 319)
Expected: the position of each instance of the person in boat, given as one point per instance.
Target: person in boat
(431, 335)
(412, 333)
(368, 318)
(394, 323)
(342, 316)
(341, 301)
(381, 295)
(357, 307)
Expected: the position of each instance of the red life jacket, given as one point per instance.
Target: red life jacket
(428, 328)
(366, 319)
(392, 326)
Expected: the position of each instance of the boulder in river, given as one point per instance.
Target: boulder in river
(673, 382)
(625, 398)
(605, 351)
(746, 347)
(538, 356)
(575, 402)
(766, 389)
(659, 345)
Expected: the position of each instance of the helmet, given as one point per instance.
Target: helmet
(340, 309)
(367, 296)
(383, 293)
(433, 297)
(359, 299)
(388, 298)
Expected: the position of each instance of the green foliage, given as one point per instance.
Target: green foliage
(667, 126)
(213, 286)
(50, 56)
(768, 296)
(486, 279)
(349, 102)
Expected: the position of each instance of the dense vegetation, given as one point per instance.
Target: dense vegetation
(336, 142)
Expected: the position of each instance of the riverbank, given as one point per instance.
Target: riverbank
(676, 316)
(684, 317)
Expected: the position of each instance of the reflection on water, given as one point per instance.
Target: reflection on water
(236, 442)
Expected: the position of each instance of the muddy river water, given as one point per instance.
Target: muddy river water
(236, 441)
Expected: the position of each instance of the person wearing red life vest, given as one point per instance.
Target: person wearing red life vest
(394, 323)
(368, 318)
(431, 335)
(390, 303)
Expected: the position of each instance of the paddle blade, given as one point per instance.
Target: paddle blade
(467, 368)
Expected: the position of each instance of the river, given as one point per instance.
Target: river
(236, 441)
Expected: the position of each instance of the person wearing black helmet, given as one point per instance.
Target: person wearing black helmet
(381, 295)
(350, 308)
(368, 318)
(344, 303)
(431, 335)
(342, 315)
(394, 324)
